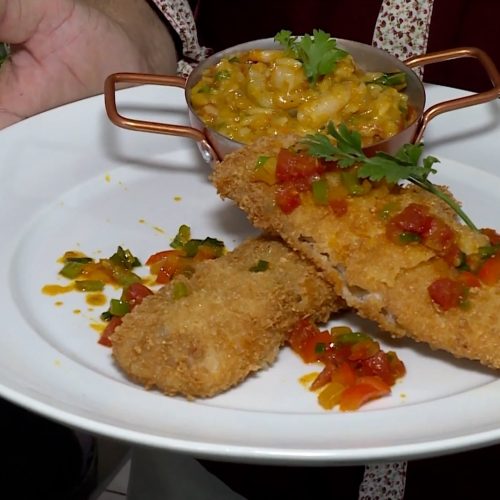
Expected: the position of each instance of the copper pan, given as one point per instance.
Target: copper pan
(214, 146)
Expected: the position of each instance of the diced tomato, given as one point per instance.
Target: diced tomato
(489, 272)
(166, 273)
(313, 349)
(365, 389)
(414, 218)
(288, 198)
(447, 293)
(398, 368)
(363, 349)
(344, 374)
(324, 377)
(105, 338)
(415, 223)
(308, 341)
(157, 257)
(469, 279)
(338, 354)
(339, 206)
(378, 365)
(301, 332)
(167, 267)
(452, 255)
(355, 368)
(440, 237)
(292, 166)
(135, 293)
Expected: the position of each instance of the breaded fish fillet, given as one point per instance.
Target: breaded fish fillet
(384, 281)
(231, 323)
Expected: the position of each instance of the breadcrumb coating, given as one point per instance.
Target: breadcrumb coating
(384, 281)
(232, 322)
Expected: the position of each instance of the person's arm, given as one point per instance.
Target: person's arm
(63, 50)
(145, 27)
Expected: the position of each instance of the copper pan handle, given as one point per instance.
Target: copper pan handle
(461, 102)
(207, 151)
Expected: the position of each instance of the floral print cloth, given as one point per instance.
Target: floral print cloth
(402, 29)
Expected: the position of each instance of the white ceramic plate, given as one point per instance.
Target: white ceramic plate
(70, 180)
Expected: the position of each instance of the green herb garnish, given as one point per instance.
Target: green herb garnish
(404, 165)
(351, 338)
(80, 260)
(261, 161)
(320, 348)
(182, 237)
(223, 74)
(408, 237)
(488, 251)
(71, 270)
(179, 290)
(192, 247)
(124, 258)
(319, 53)
(118, 307)
(89, 285)
(396, 80)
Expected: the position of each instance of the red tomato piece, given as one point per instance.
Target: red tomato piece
(414, 218)
(469, 279)
(344, 374)
(165, 274)
(447, 293)
(105, 338)
(378, 365)
(489, 272)
(292, 166)
(364, 349)
(167, 267)
(339, 206)
(288, 198)
(452, 255)
(313, 349)
(365, 389)
(157, 257)
(440, 237)
(135, 293)
(398, 368)
(325, 377)
(302, 331)
(309, 341)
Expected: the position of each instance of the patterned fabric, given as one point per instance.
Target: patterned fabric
(383, 482)
(402, 29)
(178, 13)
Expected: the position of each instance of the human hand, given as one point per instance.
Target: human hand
(62, 50)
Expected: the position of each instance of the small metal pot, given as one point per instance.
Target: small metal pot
(214, 146)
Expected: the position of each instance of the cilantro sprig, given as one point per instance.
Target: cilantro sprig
(319, 53)
(404, 165)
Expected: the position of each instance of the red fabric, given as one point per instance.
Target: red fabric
(455, 23)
